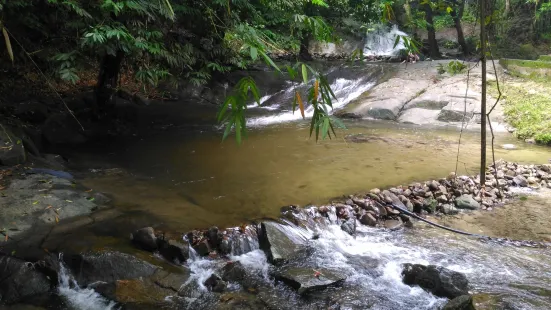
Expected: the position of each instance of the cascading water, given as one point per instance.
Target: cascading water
(346, 84)
(372, 263)
(380, 41)
(80, 298)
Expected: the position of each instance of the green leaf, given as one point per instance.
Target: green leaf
(397, 41)
(228, 130)
(269, 61)
(304, 74)
(238, 130)
(292, 72)
(254, 53)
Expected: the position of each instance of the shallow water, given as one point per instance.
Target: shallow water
(196, 180)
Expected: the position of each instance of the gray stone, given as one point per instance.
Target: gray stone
(20, 281)
(438, 280)
(307, 280)
(463, 302)
(466, 202)
(145, 238)
(174, 251)
(394, 224)
(532, 180)
(449, 209)
(508, 147)
(275, 243)
(520, 180)
(107, 267)
(368, 219)
(348, 226)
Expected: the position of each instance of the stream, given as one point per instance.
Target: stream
(179, 174)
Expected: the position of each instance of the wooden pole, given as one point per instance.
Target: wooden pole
(483, 40)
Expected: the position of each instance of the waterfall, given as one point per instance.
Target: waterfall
(380, 41)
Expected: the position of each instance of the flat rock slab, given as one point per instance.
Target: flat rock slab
(306, 280)
(386, 100)
(41, 199)
(419, 116)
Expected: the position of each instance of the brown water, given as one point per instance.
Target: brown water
(190, 179)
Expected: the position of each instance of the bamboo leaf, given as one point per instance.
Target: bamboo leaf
(269, 61)
(396, 41)
(228, 130)
(238, 130)
(8, 43)
(292, 72)
(300, 104)
(304, 74)
(254, 53)
(325, 128)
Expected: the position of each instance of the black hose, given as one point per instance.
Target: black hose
(406, 212)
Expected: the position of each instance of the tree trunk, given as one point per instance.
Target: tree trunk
(507, 8)
(108, 78)
(304, 53)
(456, 14)
(433, 45)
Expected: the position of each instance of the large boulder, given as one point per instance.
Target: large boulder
(307, 280)
(463, 302)
(438, 280)
(520, 180)
(19, 280)
(174, 251)
(277, 245)
(107, 267)
(466, 202)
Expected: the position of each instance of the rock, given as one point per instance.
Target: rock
(449, 209)
(419, 116)
(466, 202)
(521, 181)
(225, 247)
(145, 238)
(442, 189)
(375, 191)
(509, 147)
(174, 251)
(233, 272)
(433, 185)
(463, 302)
(202, 248)
(532, 180)
(275, 243)
(12, 152)
(212, 236)
(215, 284)
(107, 267)
(20, 280)
(307, 280)
(381, 210)
(368, 219)
(531, 141)
(394, 224)
(442, 198)
(430, 205)
(348, 226)
(438, 280)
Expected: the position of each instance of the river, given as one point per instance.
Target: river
(178, 171)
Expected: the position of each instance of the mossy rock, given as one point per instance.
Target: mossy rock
(487, 302)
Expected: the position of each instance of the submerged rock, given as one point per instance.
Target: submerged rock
(348, 226)
(307, 280)
(145, 238)
(275, 243)
(215, 284)
(368, 219)
(464, 302)
(394, 224)
(438, 280)
(20, 280)
(466, 202)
